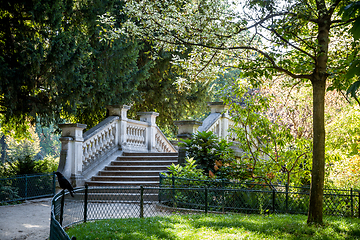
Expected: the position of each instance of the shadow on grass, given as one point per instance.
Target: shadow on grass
(218, 227)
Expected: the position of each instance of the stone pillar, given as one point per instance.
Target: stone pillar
(72, 152)
(121, 111)
(186, 130)
(220, 107)
(150, 118)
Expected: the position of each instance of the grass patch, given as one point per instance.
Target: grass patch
(211, 226)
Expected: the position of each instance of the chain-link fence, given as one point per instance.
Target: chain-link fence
(26, 187)
(260, 198)
(94, 203)
(136, 202)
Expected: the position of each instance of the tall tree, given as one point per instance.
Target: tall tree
(162, 92)
(56, 62)
(306, 40)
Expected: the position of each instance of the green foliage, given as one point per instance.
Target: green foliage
(50, 163)
(8, 193)
(345, 173)
(168, 90)
(271, 154)
(28, 145)
(188, 170)
(49, 140)
(342, 149)
(343, 133)
(351, 13)
(70, 66)
(65, 66)
(27, 165)
(210, 153)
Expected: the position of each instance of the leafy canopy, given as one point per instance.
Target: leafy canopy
(56, 62)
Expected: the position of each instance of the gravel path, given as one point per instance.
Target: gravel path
(29, 220)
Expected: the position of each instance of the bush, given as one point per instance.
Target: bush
(27, 165)
(186, 175)
(7, 193)
(212, 155)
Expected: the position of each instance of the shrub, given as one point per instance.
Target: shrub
(8, 193)
(27, 165)
(212, 155)
(188, 170)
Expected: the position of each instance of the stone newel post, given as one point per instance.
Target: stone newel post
(72, 152)
(186, 129)
(220, 107)
(121, 111)
(150, 118)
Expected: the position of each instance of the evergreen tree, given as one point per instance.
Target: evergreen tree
(56, 62)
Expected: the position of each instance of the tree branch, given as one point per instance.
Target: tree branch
(342, 22)
(287, 42)
(207, 64)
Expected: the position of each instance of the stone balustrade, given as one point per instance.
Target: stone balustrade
(82, 155)
(217, 122)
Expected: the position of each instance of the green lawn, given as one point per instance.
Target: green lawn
(218, 227)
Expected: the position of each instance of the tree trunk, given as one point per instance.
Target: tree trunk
(315, 214)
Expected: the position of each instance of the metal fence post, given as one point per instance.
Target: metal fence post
(173, 190)
(26, 186)
(141, 201)
(62, 206)
(351, 202)
(273, 200)
(359, 202)
(86, 202)
(206, 200)
(223, 195)
(54, 183)
(286, 198)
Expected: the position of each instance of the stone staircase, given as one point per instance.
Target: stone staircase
(134, 169)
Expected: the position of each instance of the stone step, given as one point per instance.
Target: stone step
(159, 168)
(125, 178)
(134, 169)
(137, 172)
(146, 158)
(139, 162)
(149, 154)
(122, 183)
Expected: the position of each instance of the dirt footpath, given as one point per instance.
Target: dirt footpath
(29, 220)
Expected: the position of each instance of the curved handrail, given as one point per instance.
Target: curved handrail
(162, 144)
(99, 140)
